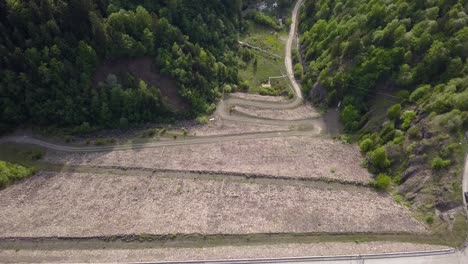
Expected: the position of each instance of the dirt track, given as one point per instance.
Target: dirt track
(227, 252)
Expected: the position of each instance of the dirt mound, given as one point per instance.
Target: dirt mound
(144, 69)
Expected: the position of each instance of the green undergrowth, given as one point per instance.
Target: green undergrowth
(10, 173)
(256, 67)
(200, 240)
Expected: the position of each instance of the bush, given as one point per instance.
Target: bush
(439, 163)
(295, 56)
(350, 117)
(419, 93)
(408, 117)
(298, 71)
(10, 173)
(84, 128)
(265, 20)
(383, 182)
(366, 145)
(388, 131)
(379, 158)
(414, 132)
(394, 112)
(430, 219)
(202, 120)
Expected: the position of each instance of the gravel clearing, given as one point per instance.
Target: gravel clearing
(84, 205)
(301, 157)
(302, 112)
(213, 253)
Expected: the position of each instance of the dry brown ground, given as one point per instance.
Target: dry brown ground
(144, 69)
(262, 98)
(305, 157)
(219, 127)
(301, 112)
(222, 252)
(81, 205)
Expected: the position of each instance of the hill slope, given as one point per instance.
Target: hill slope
(50, 49)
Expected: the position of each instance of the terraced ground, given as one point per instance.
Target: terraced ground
(254, 175)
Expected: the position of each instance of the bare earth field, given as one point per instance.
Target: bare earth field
(222, 252)
(220, 127)
(295, 157)
(301, 112)
(261, 98)
(84, 205)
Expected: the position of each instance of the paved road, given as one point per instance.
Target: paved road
(289, 43)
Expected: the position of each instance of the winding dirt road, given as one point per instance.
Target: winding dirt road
(287, 58)
(304, 127)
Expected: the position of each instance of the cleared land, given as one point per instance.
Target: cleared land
(295, 157)
(261, 98)
(219, 127)
(301, 112)
(83, 205)
(223, 252)
(143, 69)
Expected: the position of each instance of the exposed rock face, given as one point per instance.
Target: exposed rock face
(418, 160)
(414, 184)
(410, 172)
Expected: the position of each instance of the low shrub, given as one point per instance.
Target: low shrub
(379, 159)
(10, 173)
(366, 145)
(438, 163)
(394, 112)
(382, 182)
(430, 219)
(202, 120)
(408, 117)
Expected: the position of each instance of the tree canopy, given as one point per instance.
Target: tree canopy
(49, 51)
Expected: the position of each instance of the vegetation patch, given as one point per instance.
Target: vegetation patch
(10, 173)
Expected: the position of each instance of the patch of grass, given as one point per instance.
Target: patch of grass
(202, 120)
(256, 74)
(26, 155)
(430, 219)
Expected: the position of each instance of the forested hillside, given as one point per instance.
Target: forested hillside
(49, 50)
(413, 53)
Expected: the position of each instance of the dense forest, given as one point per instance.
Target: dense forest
(49, 50)
(414, 53)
